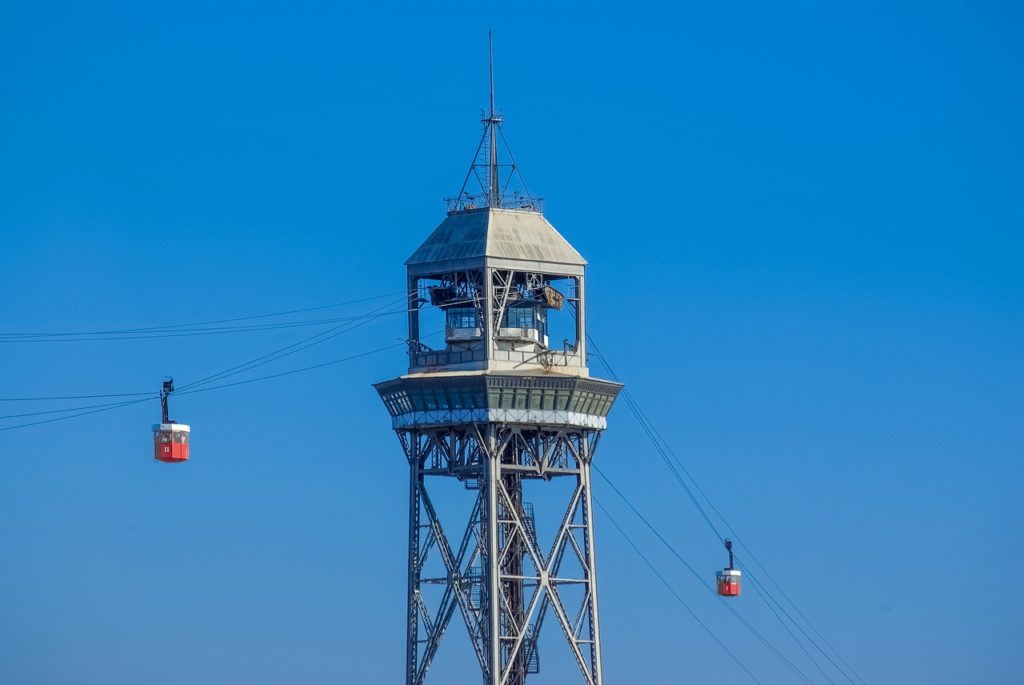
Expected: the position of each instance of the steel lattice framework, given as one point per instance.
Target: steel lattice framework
(500, 577)
(495, 571)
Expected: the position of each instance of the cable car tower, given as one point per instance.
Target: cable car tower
(500, 406)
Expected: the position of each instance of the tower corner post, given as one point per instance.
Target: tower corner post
(412, 629)
(595, 623)
(493, 469)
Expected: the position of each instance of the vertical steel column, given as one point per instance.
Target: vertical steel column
(488, 312)
(412, 305)
(493, 604)
(512, 569)
(415, 485)
(588, 522)
(581, 321)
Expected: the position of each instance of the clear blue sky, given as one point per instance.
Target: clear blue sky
(804, 228)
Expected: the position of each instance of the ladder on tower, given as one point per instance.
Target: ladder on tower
(529, 522)
(532, 656)
(475, 580)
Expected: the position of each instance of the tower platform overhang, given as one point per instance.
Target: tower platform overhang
(496, 397)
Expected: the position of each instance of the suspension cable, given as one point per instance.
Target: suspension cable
(306, 343)
(659, 445)
(700, 579)
(95, 409)
(186, 332)
(68, 409)
(355, 320)
(760, 587)
(175, 327)
(323, 336)
(782, 622)
(84, 413)
(673, 591)
(672, 461)
(293, 348)
(293, 371)
(75, 397)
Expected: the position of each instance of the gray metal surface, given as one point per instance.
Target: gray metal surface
(513, 234)
(497, 574)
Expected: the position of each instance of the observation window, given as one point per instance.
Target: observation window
(462, 317)
(520, 317)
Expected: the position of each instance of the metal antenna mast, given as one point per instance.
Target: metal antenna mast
(494, 186)
(493, 191)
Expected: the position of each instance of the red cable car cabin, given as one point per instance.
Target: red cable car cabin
(170, 442)
(728, 579)
(170, 439)
(728, 582)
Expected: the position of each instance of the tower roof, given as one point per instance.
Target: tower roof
(495, 233)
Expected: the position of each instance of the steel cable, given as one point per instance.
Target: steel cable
(673, 591)
(293, 348)
(672, 460)
(175, 327)
(785, 626)
(355, 320)
(700, 579)
(72, 416)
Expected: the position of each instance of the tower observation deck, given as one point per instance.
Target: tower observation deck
(499, 406)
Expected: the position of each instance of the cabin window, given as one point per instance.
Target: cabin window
(520, 317)
(462, 317)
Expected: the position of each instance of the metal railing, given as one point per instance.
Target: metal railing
(548, 358)
(467, 201)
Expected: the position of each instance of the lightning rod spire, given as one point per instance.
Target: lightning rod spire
(490, 183)
(494, 190)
